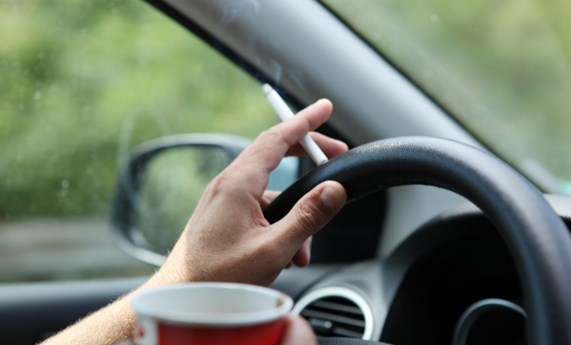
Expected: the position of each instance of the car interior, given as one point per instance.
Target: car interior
(443, 241)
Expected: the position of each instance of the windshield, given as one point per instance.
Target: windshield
(502, 68)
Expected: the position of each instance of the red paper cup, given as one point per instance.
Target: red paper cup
(211, 313)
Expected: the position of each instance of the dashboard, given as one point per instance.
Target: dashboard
(452, 281)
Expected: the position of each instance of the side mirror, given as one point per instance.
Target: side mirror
(162, 182)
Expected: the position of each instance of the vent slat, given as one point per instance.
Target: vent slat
(332, 317)
(338, 306)
(326, 328)
(334, 312)
(321, 325)
(341, 332)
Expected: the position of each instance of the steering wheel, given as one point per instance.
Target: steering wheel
(536, 237)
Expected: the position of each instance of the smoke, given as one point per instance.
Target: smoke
(276, 70)
(238, 8)
(280, 73)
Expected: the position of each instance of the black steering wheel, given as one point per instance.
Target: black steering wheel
(536, 237)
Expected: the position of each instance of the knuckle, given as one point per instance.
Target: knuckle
(272, 135)
(217, 185)
(309, 217)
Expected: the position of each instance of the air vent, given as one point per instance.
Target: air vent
(337, 312)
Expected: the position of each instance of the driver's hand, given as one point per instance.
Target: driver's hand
(303, 254)
(228, 239)
(298, 332)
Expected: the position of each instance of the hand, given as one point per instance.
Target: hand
(303, 255)
(228, 239)
(298, 332)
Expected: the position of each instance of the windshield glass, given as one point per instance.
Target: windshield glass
(502, 68)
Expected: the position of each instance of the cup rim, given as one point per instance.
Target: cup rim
(209, 319)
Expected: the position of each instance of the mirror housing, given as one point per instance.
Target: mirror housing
(156, 173)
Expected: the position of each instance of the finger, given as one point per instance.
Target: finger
(331, 147)
(266, 152)
(298, 332)
(309, 215)
(288, 133)
(303, 256)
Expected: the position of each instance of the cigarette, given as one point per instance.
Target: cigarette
(284, 112)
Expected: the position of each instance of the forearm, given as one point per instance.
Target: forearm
(108, 326)
(115, 322)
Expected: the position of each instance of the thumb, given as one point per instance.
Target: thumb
(310, 214)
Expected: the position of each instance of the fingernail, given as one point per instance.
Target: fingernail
(322, 100)
(332, 199)
(308, 245)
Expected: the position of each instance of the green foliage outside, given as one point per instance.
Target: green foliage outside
(503, 68)
(82, 83)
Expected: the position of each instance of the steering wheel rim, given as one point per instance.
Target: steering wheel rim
(536, 237)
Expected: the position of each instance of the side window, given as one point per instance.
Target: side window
(82, 84)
